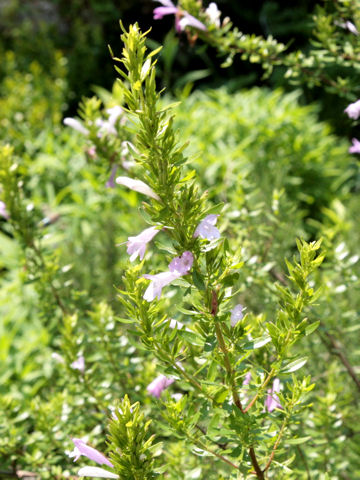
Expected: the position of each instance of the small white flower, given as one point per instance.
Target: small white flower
(76, 125)
(96, 472)
(213, 14)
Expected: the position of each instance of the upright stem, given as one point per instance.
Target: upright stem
(281, 432)
(230, 371)
(228, 366)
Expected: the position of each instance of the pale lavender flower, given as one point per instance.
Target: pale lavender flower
(236, 315)
(168, 8)
(82, 449)
(3, 212)
(182, 17)
(213, 14)
(156, 387)
(136, 246)
(76, 125)
(189, 21)
(177, 267)
(206, 228)
(272, 400)
(79, 364)
(348, 26)
(182, 264)
(247, 378)
(96, 472)
(158, 282)
(137, 186)
(355, 147)
(111, 181)
(353, 110)
(351, 27)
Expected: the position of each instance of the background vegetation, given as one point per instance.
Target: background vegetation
(278, 161)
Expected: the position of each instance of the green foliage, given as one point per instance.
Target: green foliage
(60, 264)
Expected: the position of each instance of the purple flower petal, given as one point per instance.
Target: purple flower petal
(247, 379)
(182, 264)
(156, 387)
(272, 400)
(79, 364)
(236, 315)
(136, 246)
(189, 21)
(158, 282)
(353, 110)
(159, 12)
(3, 212)
(206, 228)
(82, 449)
(355, 148)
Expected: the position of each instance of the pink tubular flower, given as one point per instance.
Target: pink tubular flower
(182, 17)
(137, 186)
(355, 147)
(178, 266)
(168, 8)
(189, 21)
(272, 400)
(82, 449)
(206, 228)
(76, 125)
(3, 211)
(137, 245)
(353, 110)
(79, 364)
(247, 379)
(156, 387)
(236, 315)
(157, 283)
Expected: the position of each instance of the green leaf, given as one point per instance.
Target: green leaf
(298, 441)
(124, 320)
(295, 365)
(312, 327)
(257, 342)
(191, 338)
(198, 280)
